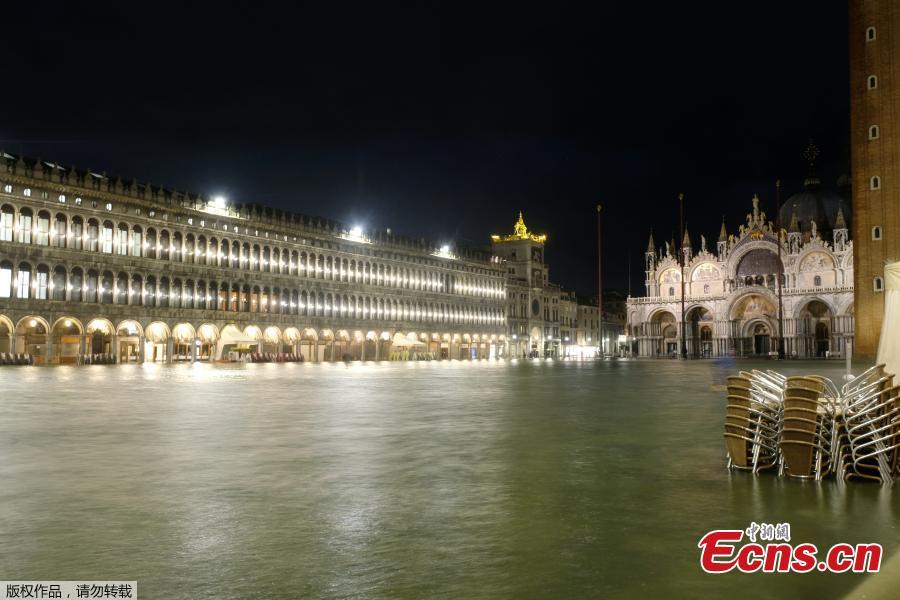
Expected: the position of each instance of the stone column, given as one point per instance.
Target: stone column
(362, 350)
(142, 349)
(194, 343)
(82, 345)
(378, 348)
(170, 349)
(115, 348)
(48, 356)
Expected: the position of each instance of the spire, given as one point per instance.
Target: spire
(686, 241)
(651, 246)
(794, 227)
(723, 234)
(839, 222)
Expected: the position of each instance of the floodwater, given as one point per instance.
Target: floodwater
(398, 480)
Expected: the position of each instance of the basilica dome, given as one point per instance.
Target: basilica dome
(814, 203)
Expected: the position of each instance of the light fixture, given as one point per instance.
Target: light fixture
(219, 201)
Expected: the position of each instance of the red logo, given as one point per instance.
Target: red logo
(720, 552)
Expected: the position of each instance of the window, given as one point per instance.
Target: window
(43, 229)
(6, 224)
(817, 281)
(706, 289)
(108, 206)
(876, 232)
(23, 282)
(872, 82)
(873, 132)
(7, 188)
(77, 233)
(41, 281)
(875, 183)
(136, 242)
(25, 227)
(123, 241)
(5, 280)
(27, 192)
(62, 198)
(671, 291)
(870, 34)
(77, 201)
(878, 284)
(107, 238)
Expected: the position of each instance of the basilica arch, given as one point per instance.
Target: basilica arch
(753, 319)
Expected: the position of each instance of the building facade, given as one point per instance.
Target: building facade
(875, 154)
(96, 265)
(731, 293)
(543, 318)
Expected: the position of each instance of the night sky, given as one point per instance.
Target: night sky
(443, 119)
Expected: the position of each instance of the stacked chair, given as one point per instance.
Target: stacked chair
(807, 432)
(752, 419)
(871, 419)
(808, 428)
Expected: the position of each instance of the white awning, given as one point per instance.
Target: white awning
(889, 344)
(234, 336)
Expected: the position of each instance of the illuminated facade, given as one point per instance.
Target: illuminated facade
(95, 265)
(731, 299)
(542, 317)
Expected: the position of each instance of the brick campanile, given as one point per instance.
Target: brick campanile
(875, 153)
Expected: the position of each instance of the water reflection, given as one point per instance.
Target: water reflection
(486, 479)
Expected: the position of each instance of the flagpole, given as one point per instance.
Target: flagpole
(600, 275)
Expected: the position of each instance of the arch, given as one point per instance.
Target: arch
(68, 322)
(158, 332)
(208, 333)
(752, 303)
(310, 334)
(184, 333)
(100, 325)
(32, 321)
(659, 314)
(6, 330)
(130, 327)
(253, 331)
(272, 335)
(814, 305)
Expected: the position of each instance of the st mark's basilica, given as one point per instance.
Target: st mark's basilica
(731, 299)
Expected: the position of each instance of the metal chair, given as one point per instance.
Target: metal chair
(751, 426)
(807, 433)
(871, 416)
